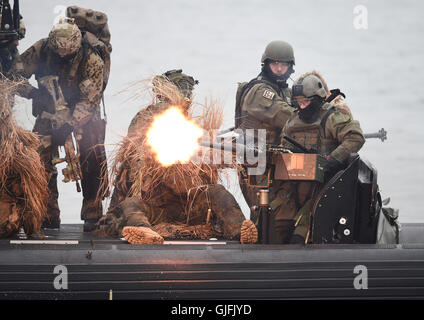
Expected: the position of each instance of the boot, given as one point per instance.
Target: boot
(90, 225)
(91, 212)
(51, 223)
(283, 231)
(141, 235)
(297, 239)
(248, 232)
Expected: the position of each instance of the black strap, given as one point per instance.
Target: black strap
(246, 88)
(334, 94)
(43, 60)
(324, 119)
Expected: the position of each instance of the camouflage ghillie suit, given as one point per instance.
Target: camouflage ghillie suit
(265, 103)
(330, 131)
(80, 71)
(205, 211)
(170, 204)
(23, 181)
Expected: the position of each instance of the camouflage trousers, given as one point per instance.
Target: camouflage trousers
(292, 207)
(250, 193)
(226, 217)
(93, 163)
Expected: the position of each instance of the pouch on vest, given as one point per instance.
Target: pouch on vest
(240, 90)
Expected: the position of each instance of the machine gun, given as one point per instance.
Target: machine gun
(311, 169)
(381, 134)
(57, 111)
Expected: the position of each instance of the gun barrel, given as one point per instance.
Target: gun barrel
(381, 134)
(219, 146)
(297, 145)
(372, 135)
(225, 131)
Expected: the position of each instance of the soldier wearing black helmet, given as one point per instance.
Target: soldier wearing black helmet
(321, 126)
(265, 103)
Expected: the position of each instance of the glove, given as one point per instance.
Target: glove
(331, 167)
(59, 135)
(39, 101)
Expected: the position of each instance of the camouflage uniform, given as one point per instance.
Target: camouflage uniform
(264, 103)
(168, 205)
(81, 81)
(339, 136)
(264, 106)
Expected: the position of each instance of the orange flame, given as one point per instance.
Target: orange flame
(173, 138)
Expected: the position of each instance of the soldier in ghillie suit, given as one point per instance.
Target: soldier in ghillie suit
(79, 69)
(152, 202)
(323, 127)
(265, 103)
(23, 180)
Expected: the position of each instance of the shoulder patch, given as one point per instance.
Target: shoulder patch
(268, 94)
(339, 118)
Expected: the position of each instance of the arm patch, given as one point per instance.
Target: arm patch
(339, 118)
(268, 94)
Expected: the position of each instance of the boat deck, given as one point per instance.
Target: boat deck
(99, 268)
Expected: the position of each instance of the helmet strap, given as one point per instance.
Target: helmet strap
(280, 80)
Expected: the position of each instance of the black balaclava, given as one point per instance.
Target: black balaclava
(311, 112)
(280, 80)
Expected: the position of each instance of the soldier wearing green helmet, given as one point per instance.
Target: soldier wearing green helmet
(319, 125)
(265, 103)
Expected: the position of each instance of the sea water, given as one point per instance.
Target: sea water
(372, 50)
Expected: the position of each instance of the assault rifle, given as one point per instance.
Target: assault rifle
(57, 111)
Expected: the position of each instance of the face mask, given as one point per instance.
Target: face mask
(311, 112)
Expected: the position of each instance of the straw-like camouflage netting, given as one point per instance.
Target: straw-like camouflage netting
(23, 181)
(136, 172)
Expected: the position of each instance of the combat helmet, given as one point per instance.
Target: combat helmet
(278, 51)
(183, 82)
(309, 87)
(65, 38)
